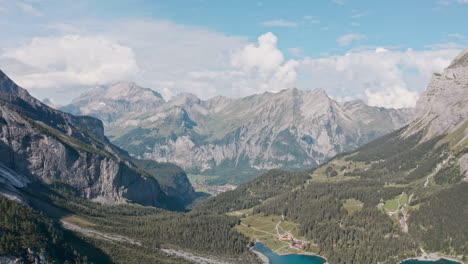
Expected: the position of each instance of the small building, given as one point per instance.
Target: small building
(298, 244)
(286, 237)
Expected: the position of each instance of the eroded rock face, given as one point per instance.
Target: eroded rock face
(443, 107)
(47, 145)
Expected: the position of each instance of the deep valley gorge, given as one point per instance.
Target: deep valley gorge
(164, 132)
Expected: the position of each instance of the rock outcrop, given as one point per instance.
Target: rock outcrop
(443, 107)
(443, 110)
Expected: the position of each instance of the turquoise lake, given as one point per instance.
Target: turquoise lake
(442, 261)
(287, 259)
(303, 259)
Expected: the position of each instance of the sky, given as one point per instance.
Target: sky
(382, 52)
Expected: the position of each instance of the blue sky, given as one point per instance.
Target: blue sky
(211, 47)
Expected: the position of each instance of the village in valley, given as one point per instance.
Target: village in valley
(276, 232)
(295, 243)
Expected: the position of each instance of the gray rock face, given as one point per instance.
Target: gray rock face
(443, 107)
(289, 129)
(47, 145)
(50, 103)
(108, 103)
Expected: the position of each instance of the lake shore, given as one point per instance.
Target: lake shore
(433, 257)
(262, 257)
(306, 254)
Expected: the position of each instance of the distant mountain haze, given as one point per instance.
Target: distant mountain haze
(290, 129)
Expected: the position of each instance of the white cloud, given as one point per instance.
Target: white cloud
(345, 40)
(29, 9)
(380, 76)
(172, 58)
(448, 2)
(395, 97)
(257, 67)
(311, 19)
(161, 56)
(457, 35)
(279, 23)
(73, 60)
(167, 57)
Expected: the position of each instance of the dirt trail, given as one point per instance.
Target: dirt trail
(97, 234)
(192, 257)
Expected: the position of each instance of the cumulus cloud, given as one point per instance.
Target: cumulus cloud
(266, 63)
(345, 40)
(156, 54)
(382, 77)
(173, 58)
(72, 60)
(279, 23)
(395, 97)
(255, 68)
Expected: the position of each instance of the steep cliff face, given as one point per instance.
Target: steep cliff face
(443, 110)
(47, 145)
(289, 129)
(443, 107)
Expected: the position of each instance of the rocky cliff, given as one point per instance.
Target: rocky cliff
(443, 107)
(47, 145)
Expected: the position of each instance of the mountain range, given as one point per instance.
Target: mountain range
(235, 139)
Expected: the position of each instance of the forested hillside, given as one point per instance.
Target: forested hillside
(397, 197)
(351, 207)
(150, 228)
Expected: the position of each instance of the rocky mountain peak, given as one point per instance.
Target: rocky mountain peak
(7, 85)
(128, 91)
(50, 103)
(185, 99)
(354, 103)
(444, 104)
(461, 60)
(109, 102)
(319, 92)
